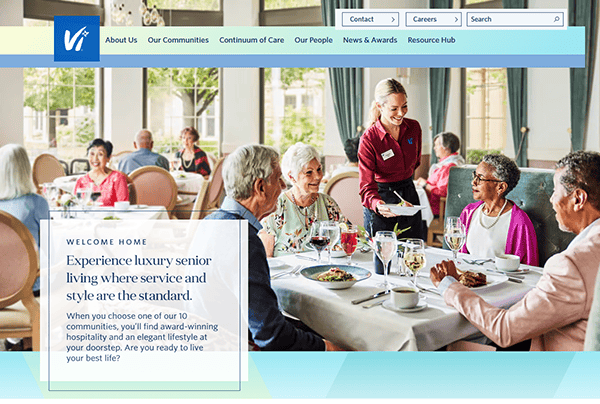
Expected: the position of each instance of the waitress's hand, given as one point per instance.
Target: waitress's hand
(421, 182)
(384, 210)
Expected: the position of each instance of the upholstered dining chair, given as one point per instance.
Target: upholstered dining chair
(216, 191)
(436, 227)
(131, 190)
(343, 188)
(19, 310)
(154, 186)
(201, 199)
(46, 168)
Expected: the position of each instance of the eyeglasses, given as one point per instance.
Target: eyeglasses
(478, 178)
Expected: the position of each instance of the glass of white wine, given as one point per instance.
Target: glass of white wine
(414, 256)
(455, 235)
(385, 248)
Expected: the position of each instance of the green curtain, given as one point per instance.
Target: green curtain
(346, 83)
(582, 13)
(439, 88)
(517, 100)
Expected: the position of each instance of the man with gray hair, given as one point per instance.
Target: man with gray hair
(252, 177)
(143, 155)
(555, 313)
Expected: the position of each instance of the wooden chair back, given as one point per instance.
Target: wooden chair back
(154, 186)
(19, 310)
(344, 189)
(46, 168)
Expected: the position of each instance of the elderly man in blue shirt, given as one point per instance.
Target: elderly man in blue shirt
(252, 177)
(143, 155)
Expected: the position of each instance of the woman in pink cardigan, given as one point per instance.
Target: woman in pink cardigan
(496, 225)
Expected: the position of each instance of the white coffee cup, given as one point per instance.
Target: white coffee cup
(508, 262)
(404, 297)
(122, 205)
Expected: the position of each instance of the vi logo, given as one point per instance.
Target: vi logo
(69, 42)
(77, 38)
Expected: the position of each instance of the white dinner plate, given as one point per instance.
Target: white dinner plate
(389, 305)
(492, 280)
(274, 263)
(334, 253)
(404, 210)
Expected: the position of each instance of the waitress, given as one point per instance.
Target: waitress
(389, 153)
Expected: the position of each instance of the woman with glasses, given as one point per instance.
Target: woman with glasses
(495, 225)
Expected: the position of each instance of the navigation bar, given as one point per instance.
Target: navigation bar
(465, 19)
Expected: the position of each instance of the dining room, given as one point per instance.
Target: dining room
(58, 111)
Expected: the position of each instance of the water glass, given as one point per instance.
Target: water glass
(332, 231)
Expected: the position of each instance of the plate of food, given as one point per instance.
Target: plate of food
(404, 210)
(335, 276)
(480, 281)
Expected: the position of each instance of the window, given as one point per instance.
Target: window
(485, 109)
(181, 97)
(59, 110)
(294, 107)
(281, 4)
(212, 5)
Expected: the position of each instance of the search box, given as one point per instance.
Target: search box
(516, 19)
(370, 19)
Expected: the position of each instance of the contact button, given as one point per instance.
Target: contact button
(434, 19)
(370, 19)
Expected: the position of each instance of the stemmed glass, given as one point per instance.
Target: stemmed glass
(385, 248)
(414, 256)
(349, 240)
(50, 191)
(84, 196)
(332, 230)
(318, 238)
(455, 235)
(176, 164)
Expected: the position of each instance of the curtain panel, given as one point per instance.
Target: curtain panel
(346, 83)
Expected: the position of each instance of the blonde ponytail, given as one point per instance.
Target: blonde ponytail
(382, 90)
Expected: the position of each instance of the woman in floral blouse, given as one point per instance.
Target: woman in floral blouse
(287, 230)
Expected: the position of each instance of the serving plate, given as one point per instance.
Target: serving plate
(493, 279)
(359, 274)
(404, 210)
(274, 263)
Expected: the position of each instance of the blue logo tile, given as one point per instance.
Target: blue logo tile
(76, 38)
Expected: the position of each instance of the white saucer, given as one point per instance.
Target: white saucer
(274, 263)
(519, 270)
(388, 305)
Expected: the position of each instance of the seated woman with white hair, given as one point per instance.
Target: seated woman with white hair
(287, 230)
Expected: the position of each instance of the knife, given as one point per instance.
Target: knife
(368, 306)
(505, 273)
(375, 296)
(304, 257)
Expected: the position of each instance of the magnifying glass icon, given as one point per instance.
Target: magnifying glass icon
(556, 19)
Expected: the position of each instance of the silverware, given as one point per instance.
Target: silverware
(375, 296)
(504, 273)
(422, 289)
(402, 199)
(515, 280)
(478, 262)
(368, 306)
(293, 271)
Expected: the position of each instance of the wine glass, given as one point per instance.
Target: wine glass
(455, 235)
(385, 248)
(176, 163)
(84, 196)
(349, 240)
(414, 257)
(51, 192)
(332, 230)
(318, 238)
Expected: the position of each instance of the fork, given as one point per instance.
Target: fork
(296, 270)
(477, 262)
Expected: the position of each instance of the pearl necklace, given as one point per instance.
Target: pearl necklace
(495, 220)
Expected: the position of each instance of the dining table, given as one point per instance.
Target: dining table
(188, 185)
(370, 326)
(134, 212)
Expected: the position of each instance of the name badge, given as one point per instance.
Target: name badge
(386, 155)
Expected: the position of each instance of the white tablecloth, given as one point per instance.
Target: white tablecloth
(187, 182)
(135, 212)
(331, 313)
